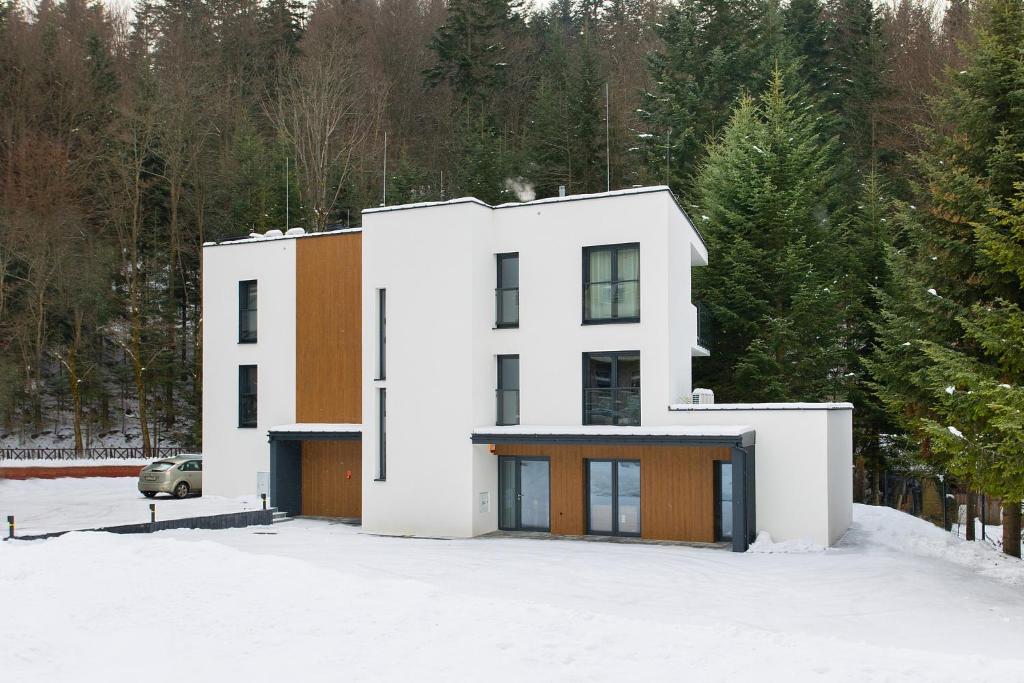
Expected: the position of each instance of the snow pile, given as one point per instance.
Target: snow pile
(765, 544)
(895, 530)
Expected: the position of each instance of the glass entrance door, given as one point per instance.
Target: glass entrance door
(613, 497)
(524, 492)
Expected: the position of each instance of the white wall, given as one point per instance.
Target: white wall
(840, 473)
(232, 456)
(799, 466)
(424, 259)
(438, 266)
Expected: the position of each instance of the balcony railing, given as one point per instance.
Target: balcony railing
(506, 307)
(508, 406)
(703, 326)
(611, 406)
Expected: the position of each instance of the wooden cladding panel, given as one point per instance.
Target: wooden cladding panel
(328, 330)
(331, 478)
(676, 486)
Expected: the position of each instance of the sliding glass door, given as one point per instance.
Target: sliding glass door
(524, 492)
(613, 497)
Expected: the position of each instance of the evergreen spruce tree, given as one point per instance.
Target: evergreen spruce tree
(767, 211)
(713, 51)
(954, 290)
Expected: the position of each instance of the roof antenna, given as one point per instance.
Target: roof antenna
(607, 143)
(287, 202)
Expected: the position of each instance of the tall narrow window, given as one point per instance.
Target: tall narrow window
(611, 388)
(382, 434)
(246, 395)
(723, 501)
(506, 295)
(508, 390)
(611, 284)
(382, 345)
(247, 312)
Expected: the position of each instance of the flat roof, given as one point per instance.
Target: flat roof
(760, 406)
(741, 435)
(275, 238)
(313, 431)
(547, 200)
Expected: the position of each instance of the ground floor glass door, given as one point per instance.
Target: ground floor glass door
(613, 497)
(524, 494)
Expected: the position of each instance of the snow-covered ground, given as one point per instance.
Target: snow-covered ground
(45, 505)
(316, 601)
(78, 462)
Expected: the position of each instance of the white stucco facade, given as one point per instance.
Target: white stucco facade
(437, 264)
(233, 455)
(803, 464)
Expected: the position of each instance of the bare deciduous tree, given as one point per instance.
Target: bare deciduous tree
(325, 107)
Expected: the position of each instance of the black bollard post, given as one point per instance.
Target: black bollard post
(264, 497)
(152, 512)
(10, 526)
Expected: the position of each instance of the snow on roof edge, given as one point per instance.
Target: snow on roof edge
(275, 238)
(317, 427)
(760, 406)
(612, 430)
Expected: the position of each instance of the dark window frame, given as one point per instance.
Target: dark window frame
(615, 498)
(519, 491)
(614, 381)
(382, 435)
(501, 287)
(499, 417)
(382, 338)
(252, 392)
(615, 248)
(246, 336)
(716, 498)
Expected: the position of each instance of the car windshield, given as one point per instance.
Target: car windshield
(161, 466)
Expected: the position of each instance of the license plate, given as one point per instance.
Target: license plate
(150, 477)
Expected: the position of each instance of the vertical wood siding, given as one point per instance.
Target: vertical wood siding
(328, 331)
(326, 490)
(676, 486)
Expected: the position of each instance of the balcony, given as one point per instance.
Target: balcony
(703, 326)
(611, 406)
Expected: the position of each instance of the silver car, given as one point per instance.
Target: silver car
(179, 476)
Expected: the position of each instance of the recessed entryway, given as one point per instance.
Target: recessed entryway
(524, 493)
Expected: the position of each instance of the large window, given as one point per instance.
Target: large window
(613, 497)
(611, 388)
(506, 295)
(247, 312)
(611, 284)
(246, 395)
(508, 390)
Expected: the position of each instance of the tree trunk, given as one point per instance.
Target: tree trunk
(1011, 528)
(972, 513)
(76, 395)
(138, 370)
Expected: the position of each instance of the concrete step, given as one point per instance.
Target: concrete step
(282, 520)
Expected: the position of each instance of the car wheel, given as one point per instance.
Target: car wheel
(149, 494)
(181, 490)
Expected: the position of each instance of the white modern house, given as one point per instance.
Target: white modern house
(455, 368)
